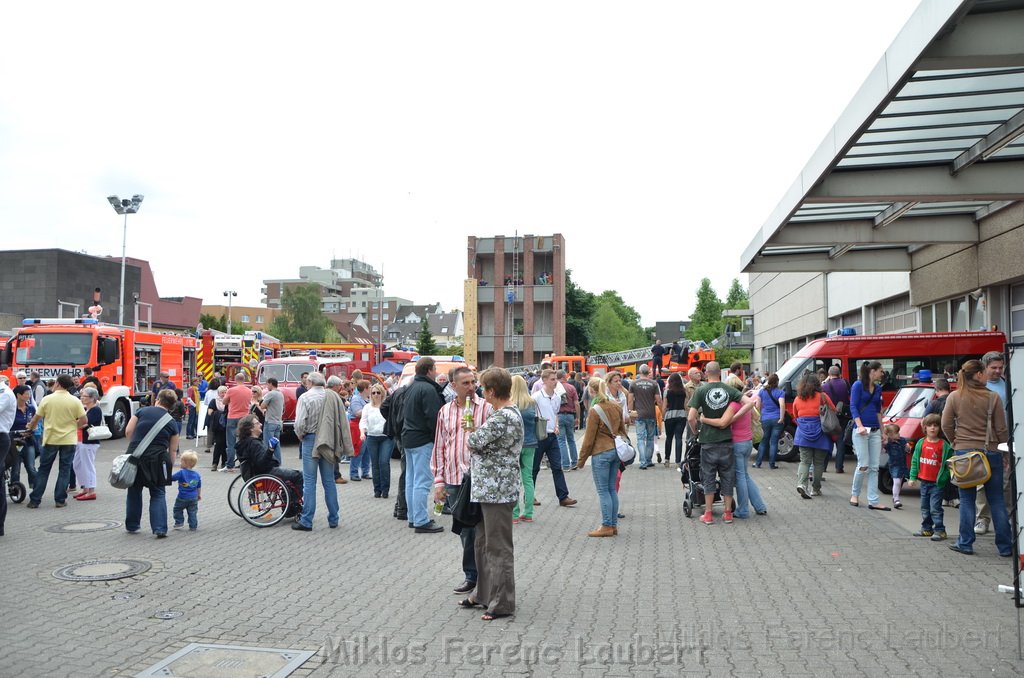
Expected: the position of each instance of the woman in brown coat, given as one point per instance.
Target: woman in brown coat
(599, 446)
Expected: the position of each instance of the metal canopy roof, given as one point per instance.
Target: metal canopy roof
(932, 142)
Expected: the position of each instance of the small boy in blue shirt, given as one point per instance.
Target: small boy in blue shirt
(190, 485)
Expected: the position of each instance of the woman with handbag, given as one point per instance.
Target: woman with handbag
(216, 421)
(865, 406)
(604, 422)
(976, 419)
(814, 443)
(528, 411)
(84, 462)
(494, 477)
(154, 464)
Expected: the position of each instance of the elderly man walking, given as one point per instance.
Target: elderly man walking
(322, 428)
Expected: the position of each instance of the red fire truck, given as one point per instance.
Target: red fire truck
(125, 360)
(288, 370)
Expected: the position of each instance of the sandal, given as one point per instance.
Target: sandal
(469, 602)
(488, 616)
(854, 502)
(878, 507)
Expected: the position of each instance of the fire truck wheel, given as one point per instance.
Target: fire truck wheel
(119, 420)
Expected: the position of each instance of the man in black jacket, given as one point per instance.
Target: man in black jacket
(392, 411)
(421, 404)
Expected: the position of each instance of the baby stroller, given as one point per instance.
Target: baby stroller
(689, 474)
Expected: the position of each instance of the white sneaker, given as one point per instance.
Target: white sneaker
(981, 527)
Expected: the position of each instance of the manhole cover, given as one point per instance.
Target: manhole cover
(217, 661)
(101, 570)
(168, 614)
(126, 596)
(86, 526)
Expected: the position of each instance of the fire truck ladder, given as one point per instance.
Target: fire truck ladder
(513, 293)
(630, 357)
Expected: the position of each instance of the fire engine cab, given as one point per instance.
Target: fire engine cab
(125, 360)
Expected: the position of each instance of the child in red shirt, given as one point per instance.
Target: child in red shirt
(929, 467)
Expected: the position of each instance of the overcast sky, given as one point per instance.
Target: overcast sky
(655, 136)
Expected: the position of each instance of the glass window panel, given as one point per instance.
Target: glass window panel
(919, 158)
(926, 319)
(984, 83)
(1017, 322)
(1003, 99)
(959, 117)
(979, 315)
(1017, 295)
(944, 145)
(942, 317)
(971, 131)
(958, 315)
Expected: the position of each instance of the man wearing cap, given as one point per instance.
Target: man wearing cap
(163, 382)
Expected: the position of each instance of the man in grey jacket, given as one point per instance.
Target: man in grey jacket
(421, 404)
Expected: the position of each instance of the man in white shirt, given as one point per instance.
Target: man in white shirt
(548, 399)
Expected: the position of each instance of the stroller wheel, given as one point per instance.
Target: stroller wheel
(17, 492)
(687, 508)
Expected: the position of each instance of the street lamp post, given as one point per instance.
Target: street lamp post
(229, 294)
(125, 207)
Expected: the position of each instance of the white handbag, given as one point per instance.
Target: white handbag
(623, 446)
(101, 432)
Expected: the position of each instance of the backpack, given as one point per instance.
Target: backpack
(755, 425)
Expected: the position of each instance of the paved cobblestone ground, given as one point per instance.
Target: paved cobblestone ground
(815, 588)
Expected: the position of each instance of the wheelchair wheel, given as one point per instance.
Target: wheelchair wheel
(234, 490)
(263, 501)
(17, 492)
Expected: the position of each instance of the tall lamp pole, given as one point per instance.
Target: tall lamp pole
(125, 207)
(229, 294)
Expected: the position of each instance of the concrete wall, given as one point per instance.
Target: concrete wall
(849, 291)
(787, 306)
(31, 282)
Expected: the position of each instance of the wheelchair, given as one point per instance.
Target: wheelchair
(16, 490)
(264, 500)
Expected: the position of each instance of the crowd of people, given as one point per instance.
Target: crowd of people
(481, 440)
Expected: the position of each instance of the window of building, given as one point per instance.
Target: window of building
(958, 315)
(374, 317)
(259, 319)
(374, 305)
(444, 330)
(245, 318)
(895, 315)
(376, 328)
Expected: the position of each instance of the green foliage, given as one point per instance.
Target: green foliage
(301, 318)
(616, 326)
(220, 324)
(706, 320)
(579, 311)
(737, 297)
(425, 344)
(455, 349)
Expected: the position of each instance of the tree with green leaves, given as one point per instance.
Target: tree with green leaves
(212, 322)
(706, 320)
(425, 344)
(301, 317)
(579, 312)
(737, 297)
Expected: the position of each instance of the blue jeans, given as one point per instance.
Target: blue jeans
(747, 492)
(841, 448)
(996, 503)
(769, 447)
(360, 466)
(567, 439)
(229, 437)
(549, 448)
(273, 431)
(64, 454)
(192, 423)
(190, 506)
(646, 430)
(378, 450)
(605, 468)
(418, 482)
(157, 509)
(310, 468)
(29, 453)
(467, 537)
(868, 449)
(931, 508)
